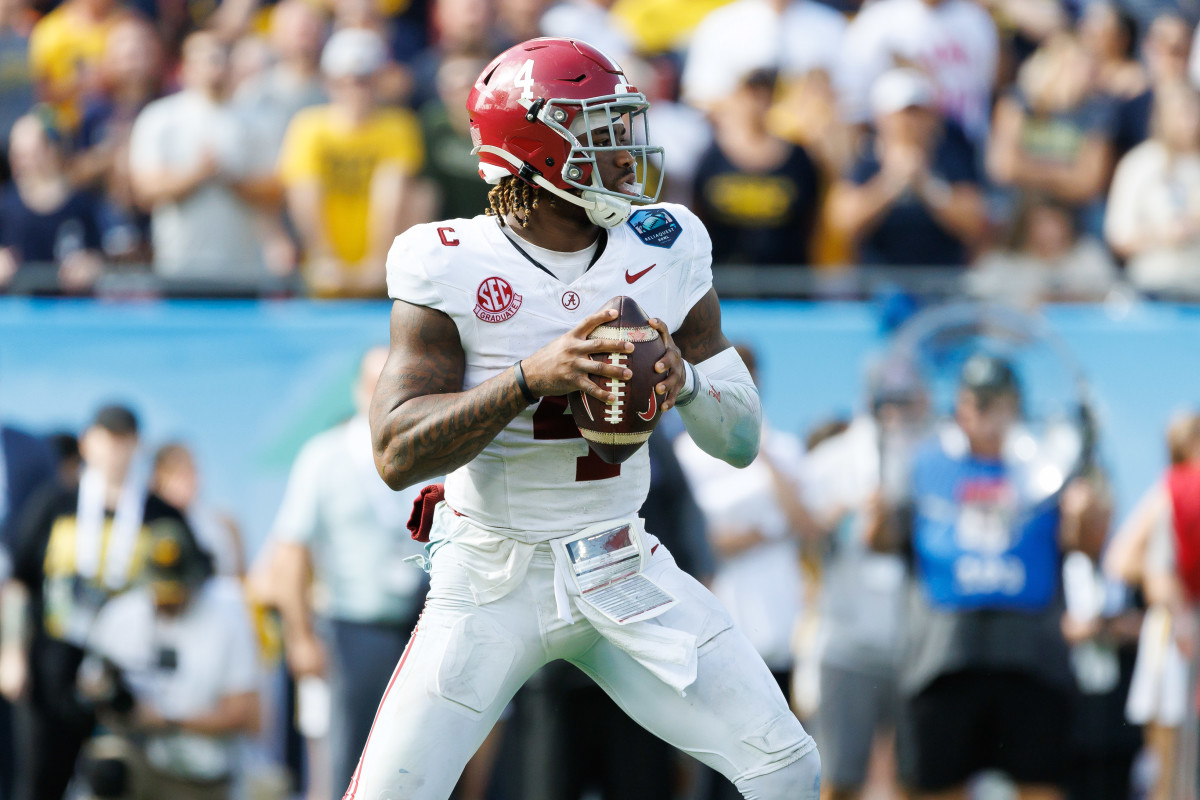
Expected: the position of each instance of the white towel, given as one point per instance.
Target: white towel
(123, 538)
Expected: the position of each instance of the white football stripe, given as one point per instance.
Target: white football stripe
(641, 333)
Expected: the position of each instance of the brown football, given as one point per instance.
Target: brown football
(616, 430)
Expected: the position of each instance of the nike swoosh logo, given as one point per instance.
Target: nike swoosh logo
(631, 278)
(652, 409)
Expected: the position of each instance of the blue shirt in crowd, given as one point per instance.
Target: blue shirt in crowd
(908, 234)
(38, 237)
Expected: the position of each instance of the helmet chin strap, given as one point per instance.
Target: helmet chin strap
(602, 209)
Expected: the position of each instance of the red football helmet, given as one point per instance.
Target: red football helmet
(534, 110)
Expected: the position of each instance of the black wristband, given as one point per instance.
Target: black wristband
(529, 396)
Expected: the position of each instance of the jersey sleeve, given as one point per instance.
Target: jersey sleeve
(697, 276)
(407, 272)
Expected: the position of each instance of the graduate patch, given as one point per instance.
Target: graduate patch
(655, 226)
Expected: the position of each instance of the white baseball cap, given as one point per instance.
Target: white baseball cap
(353, 53)
(901, 88)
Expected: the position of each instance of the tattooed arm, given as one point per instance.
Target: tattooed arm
(422, 422)
(716, 395)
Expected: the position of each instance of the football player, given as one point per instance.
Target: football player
(489, 334)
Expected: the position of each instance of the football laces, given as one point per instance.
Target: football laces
(613, 414)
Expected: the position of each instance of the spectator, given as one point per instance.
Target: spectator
(985, 672)
(590, 20)
(187, 156)
(1025, 24)
(1156, 550)
(26, 464)
(130, 77)
(1109, 35)
(48, 229)
(755, 523)
(446, 127)
(408, 27)
(1100, 626)
(461, 28)
(65, 50)
(953, 41)
(70, 464)
(75, 549)
(1053, 134)
(790, 37)
(394, 81)
(808, 112)
(16, 80)
(183, 647)
(1165, 50)
(913, 197)
(176, 479)
(519, 21)
(862, 592)
(756, 193)
(663, 25)
(1154, 204)
(1046, 261)
(687, 128)
(249, 58)
(341, 526)
(293, 82)
(1146, 11)
(349, 171)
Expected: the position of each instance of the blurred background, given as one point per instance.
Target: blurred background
(196, 198)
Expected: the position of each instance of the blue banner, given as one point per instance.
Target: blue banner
(245, 383)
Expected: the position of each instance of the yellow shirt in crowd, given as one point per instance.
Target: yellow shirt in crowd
(660, 25)
(63, 48)
(318, 147)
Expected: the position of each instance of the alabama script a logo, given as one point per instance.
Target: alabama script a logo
(495, 300)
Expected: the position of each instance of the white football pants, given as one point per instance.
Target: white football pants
(465, 662)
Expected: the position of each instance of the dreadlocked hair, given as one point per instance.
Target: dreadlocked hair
(513, 196)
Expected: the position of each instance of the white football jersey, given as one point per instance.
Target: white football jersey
(538, 479)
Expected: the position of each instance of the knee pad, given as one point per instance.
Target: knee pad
(798, 780)
(108, 778)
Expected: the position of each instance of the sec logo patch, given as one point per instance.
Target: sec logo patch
(495, 300)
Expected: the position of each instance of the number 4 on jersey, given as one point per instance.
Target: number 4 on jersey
(552, 420)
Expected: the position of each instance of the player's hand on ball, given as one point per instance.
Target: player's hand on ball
(565, 365)
(670, 366)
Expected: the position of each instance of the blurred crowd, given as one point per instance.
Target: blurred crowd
(939, 585)
(1031, 150)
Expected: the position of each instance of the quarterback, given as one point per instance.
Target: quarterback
(489, 334)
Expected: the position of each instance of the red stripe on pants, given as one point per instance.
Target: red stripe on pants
(403, 657)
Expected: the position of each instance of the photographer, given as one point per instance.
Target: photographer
(172, 671)
(74, 548)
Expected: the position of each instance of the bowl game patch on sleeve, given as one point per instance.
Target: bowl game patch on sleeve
(655, 226)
